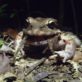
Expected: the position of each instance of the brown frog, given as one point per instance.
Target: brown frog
(42, 31)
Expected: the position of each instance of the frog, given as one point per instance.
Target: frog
(57, 40)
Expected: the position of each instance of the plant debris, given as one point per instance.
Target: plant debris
(19, 56)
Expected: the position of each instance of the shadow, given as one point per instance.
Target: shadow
(36, 52)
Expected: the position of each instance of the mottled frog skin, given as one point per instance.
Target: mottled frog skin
(45, 31)
(71, 42)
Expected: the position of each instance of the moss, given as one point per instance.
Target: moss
(1, 42)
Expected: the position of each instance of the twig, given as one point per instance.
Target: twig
(33, 67)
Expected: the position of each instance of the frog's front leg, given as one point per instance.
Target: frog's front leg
(65, 59)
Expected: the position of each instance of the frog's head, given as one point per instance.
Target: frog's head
(41, 28)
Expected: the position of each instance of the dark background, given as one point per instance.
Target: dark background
(68, 12)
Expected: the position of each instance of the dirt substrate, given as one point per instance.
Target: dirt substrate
(36, 70)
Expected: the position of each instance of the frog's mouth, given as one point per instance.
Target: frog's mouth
(40, 36)
(38, 40)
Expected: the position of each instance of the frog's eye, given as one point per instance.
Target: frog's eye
(51, 25)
